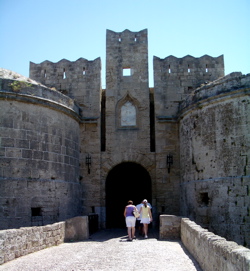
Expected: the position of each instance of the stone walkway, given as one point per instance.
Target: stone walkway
(109, 250)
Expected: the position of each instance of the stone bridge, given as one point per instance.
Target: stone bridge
(179, 244)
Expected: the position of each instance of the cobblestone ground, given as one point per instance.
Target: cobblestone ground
(109, 250)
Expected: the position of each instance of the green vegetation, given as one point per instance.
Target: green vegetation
(18, 85)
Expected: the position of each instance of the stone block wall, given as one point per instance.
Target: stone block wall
(15, 243)
(175, 78)
(80, 80)
(35, 133)
(167, 183)
(212, 251)
(220, 205)
(41, 140)
(214, 157)
(127, 96)
(31, 202)
(76, 229)
(170, 227)
(39, 155)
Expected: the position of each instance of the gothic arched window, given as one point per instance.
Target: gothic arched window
(128, 114)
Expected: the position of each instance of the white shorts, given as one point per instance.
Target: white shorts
(145, 220)
(130, 221)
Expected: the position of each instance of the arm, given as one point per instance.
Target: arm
(150, 214)
(124, 213)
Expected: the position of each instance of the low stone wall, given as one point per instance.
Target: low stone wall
(211, 251)
(19, 242)
(170, 227)
(76, 229)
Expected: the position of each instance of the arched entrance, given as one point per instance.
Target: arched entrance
(126, 181)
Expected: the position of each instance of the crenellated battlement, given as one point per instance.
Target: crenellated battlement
(127, 59)
(52, 74)
(80, 80)
(127, 36)
(174, 78)
(206, 65)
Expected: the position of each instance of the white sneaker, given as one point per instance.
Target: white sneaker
(146, 236)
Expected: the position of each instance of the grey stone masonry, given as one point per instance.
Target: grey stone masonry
(80, 80)
(214, 157)
(212, 251)
(175, 78)
(39, 173)
(127, 51)
(15, 243)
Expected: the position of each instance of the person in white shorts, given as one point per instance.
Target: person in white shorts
(130, 219)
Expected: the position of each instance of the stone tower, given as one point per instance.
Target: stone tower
(127, 123)
(127, 93)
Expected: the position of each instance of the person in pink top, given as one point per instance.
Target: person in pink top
(146, 216)
(130, 219)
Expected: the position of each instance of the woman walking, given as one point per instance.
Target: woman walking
(130, 219)
(146, 217)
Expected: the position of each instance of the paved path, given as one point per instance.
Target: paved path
(108, 250)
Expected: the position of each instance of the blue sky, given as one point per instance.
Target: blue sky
(38, 30)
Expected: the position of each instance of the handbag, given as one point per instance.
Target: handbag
(136, 213)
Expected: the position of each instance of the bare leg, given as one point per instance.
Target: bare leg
(129, 233)
(133, 232)
(145, 226)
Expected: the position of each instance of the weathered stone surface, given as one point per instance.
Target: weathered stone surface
(214, 140)
(212, 251)
(18, 242)
(40, 161)
(170, 227)
(76, 229)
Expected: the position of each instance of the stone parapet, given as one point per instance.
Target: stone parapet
(23, 241)
(19, 242)
(76, 229)
(14, 86)
(232, 85)
(212, 251)
(170, 227)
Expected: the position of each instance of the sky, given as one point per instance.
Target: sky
(39, 30)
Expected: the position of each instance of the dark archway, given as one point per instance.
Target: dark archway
(126, 181)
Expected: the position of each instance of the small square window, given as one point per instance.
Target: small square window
(126, 72)
(204, 199)
(36, 211)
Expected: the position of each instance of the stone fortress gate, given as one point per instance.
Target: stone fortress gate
(69, 147)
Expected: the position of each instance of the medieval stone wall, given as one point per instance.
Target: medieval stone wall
(80, 80)
(19, 242)
(39, 155)
(214, 152)
(175, 78)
